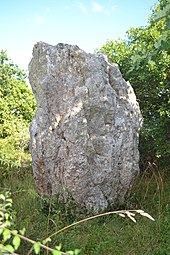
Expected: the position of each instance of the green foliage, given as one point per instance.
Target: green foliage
(6, 221)
(37, 247)
(146, 66)
(63, 213)
(16, 242)
(162, 13)
(7, 233)
(14, 149)
(101, 235)
(17, 106)
(17, 98)
(11, 239)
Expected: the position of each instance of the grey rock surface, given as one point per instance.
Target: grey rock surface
(84, 136)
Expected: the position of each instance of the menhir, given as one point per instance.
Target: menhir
(84, 136)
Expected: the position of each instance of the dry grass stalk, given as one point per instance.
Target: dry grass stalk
(123, 213)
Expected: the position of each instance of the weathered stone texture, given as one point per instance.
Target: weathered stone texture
(84, 136)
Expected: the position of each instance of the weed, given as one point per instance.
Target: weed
(43, 216)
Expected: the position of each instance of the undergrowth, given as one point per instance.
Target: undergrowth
(105, 235)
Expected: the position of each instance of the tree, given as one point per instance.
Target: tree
(17, 106)
(162, 13)
(145, 63)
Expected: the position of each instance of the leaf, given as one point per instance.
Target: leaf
(7, 223)
(2, 197)
(9, 200)
(6, 234)
(6, 216)
(9, 204)
(70, 252)
(9, 248)
(58, 247)
(16, 242)
(14, 232)
(76, 251)
(46, 240)
(22, 231)
(36, 247)
(56, 252)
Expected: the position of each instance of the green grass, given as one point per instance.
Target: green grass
(106, 235)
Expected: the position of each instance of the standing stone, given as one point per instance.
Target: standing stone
(84, 136)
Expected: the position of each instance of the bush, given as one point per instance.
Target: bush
(17, 107)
